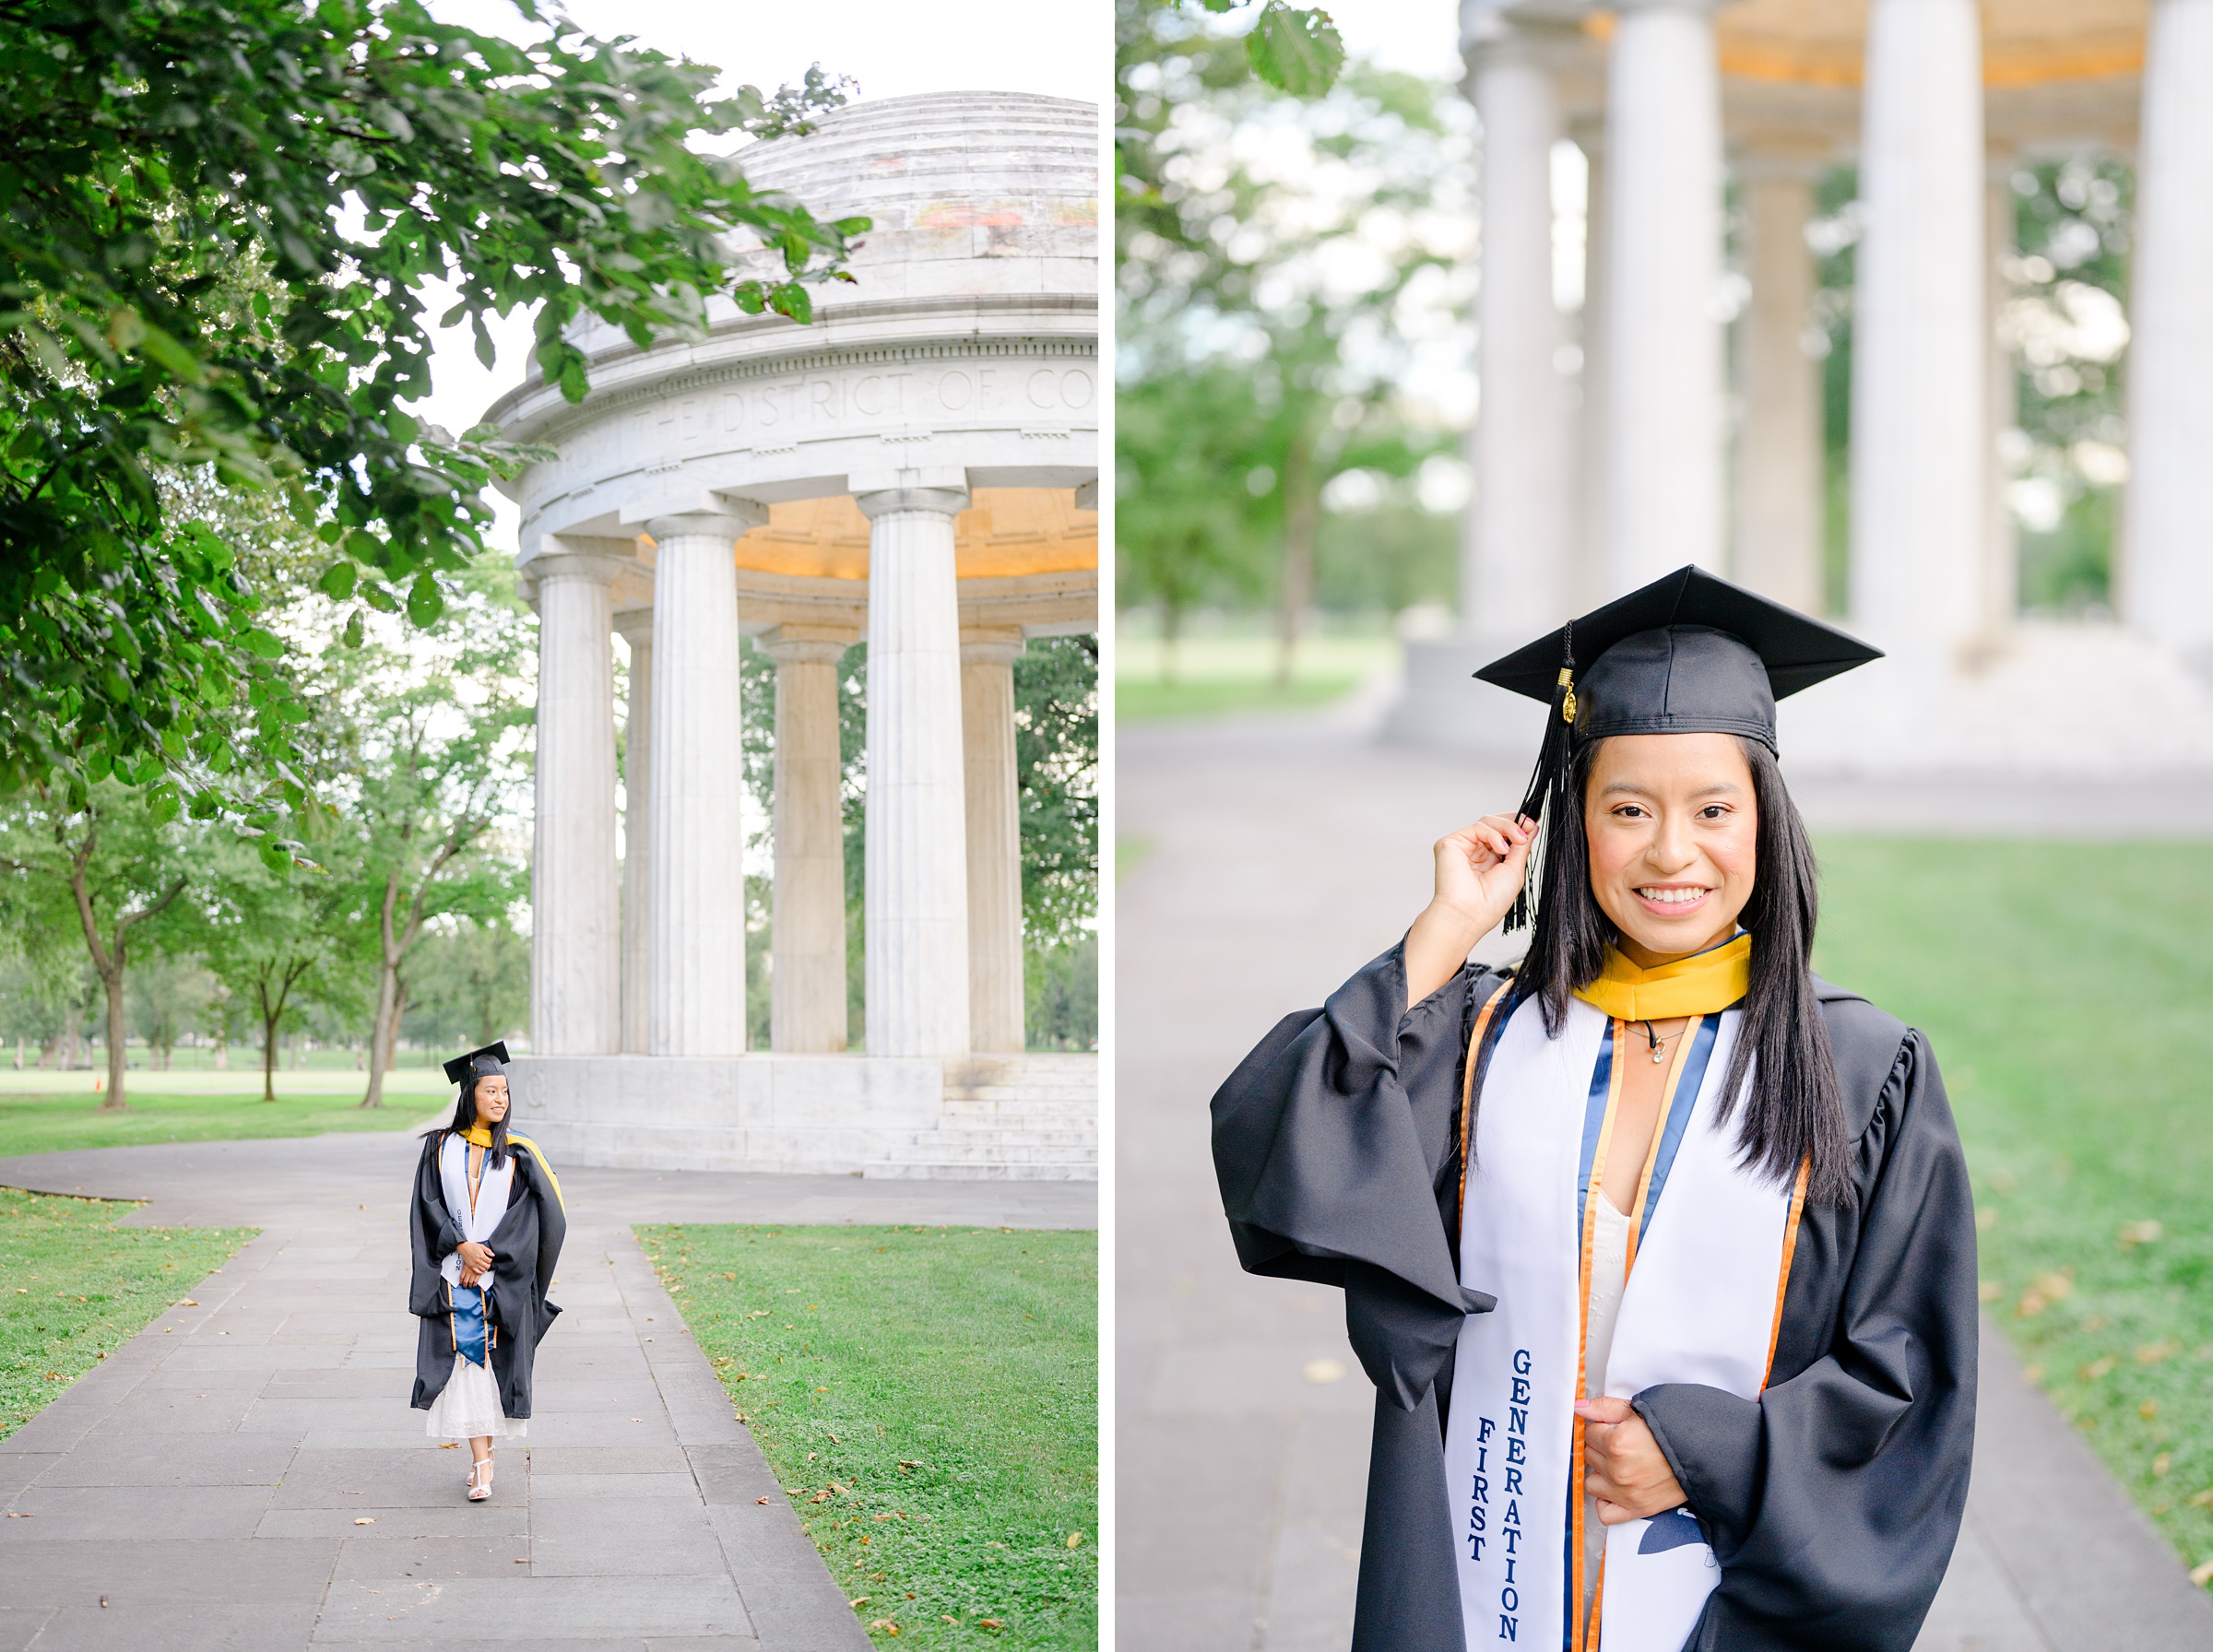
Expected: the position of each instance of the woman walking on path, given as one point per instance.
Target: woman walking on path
(486, 1232)
(1659, 1249)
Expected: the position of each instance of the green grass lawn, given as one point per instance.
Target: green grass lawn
(74, 1287)
(2068, 992)
(1213, 676)
(930, 1400)
(32, 1122)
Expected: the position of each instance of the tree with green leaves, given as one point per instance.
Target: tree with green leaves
(1294, 273)
(217, 222)
(266, 934)
(430, 757)
(116, 864)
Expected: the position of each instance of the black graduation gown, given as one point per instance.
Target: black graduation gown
(1832, 1502)
(524, 1248)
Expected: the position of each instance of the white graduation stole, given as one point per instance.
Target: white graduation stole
(1709, 1260)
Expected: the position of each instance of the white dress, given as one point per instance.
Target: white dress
(468, 1408)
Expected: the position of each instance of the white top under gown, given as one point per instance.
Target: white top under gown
(468, 1408)
(1609, 1276)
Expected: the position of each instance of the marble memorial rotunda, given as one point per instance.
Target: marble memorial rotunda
(1600, 466)
(916, 469)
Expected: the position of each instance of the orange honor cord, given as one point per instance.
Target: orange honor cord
(1782, 1277)
(1467, 1096)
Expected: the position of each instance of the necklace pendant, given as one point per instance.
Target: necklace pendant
(1659, 1055)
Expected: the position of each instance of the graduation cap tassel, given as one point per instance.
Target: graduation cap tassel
(1547, 793)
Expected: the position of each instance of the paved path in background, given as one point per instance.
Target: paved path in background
(1277, 859)
(246, 1473)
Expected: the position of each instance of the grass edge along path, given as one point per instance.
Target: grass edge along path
(36, 1122)
(75, 1287)
(928, 1399)
(2065, 988)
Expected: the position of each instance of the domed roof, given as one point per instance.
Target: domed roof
(952, 178)
(900, 160)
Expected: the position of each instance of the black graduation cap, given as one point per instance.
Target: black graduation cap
(458, 1069)
(1688, 654)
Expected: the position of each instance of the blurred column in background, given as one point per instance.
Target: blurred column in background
(2002, 565)
(636, 626)
(806, 921)
(2166, 571)
(1514, 560)
(1663, 338)
(575, 922)
(1920, 368)
(1779, 480)
(994, 824)
(1587, 564)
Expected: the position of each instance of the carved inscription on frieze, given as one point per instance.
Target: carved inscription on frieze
(897, 398)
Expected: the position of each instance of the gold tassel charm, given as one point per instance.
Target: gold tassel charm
(1567, 700)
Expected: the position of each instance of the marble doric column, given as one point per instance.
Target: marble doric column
(695, 904)
(1920, 364)
(2166, 562)
(1779, 479)
(994, 823)
(1663, 230)
(1588, 585)
(807, 971)
(2000, 533)
(1513, 571)
(636, 626)
(917, 919)
(575, 922)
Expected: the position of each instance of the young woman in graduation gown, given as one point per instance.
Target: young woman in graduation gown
(487, 1229)
(1659, 1250)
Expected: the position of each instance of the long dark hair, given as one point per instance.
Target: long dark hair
(465, 1115)
(1796, 1113)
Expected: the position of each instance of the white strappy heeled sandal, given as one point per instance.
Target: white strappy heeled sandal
(479, 1480)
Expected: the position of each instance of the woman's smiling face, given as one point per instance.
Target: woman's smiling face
(1673, 832)
(491, 1099)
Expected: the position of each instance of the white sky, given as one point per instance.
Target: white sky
(1417, 37)
(1060, 48)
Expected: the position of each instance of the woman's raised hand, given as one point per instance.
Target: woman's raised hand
(1479, 872)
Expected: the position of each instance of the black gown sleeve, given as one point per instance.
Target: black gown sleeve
(1833, 1502)
(1336, 1146)
(431, 1232)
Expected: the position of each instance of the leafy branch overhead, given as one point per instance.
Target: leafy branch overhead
(218, 219)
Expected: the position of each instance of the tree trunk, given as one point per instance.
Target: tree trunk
(1302, 511)
(1171, 633)
(117, 1039)
(269, 1055)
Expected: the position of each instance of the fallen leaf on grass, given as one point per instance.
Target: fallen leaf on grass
(1989, 1291)
(988, 1623)
(2149, 1409)
(2204, 1499)
(1074, 1538)
(2161, 1464)
(2140, 1233)
(886, 1625)
(2151, 1354)
(188, 1302)
(2200, 1574)
(2096, 1369)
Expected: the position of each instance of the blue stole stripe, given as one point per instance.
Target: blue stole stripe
(1594, 1121)
(1678, 1116)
